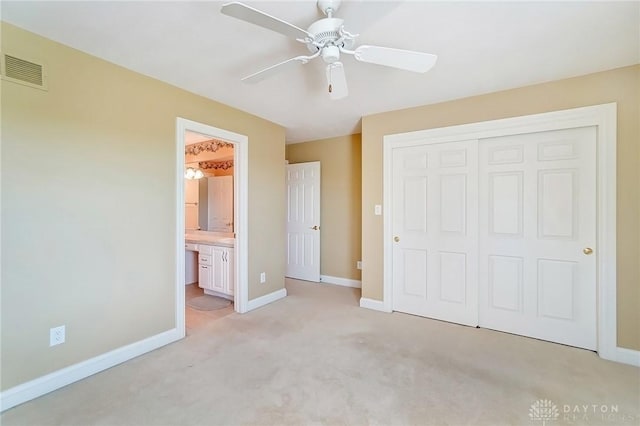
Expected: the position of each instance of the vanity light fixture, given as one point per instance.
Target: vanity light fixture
(192, 173)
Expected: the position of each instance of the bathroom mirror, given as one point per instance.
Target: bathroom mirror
(208, 184)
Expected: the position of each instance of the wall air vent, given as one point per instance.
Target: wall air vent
(23, 72)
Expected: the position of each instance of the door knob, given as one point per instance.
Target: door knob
(587, 250)
(396, 239)
(315, 227)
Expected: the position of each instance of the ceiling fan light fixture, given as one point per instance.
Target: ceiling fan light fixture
(328, 38)
(331, 54)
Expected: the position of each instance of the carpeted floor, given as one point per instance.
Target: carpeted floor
(317, 358)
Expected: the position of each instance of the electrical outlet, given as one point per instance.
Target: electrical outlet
(56, 335)
(359, 264)
(263, 277)
(377, 210)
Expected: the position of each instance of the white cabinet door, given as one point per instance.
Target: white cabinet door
(434, 222)
(229, 272)
(303, 221)
(219, 266)
(223, 272)
(220, 194)
(204, 276)
(537, 215)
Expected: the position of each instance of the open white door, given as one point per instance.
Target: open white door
(303, 221)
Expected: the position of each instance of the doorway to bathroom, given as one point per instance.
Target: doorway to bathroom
(211, 225)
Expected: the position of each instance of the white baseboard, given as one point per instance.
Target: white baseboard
(376, 305)
(625, 356)
(266, 299)
(346, 282)
(52, 381)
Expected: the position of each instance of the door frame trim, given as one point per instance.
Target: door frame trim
(240, 213)
(603, 117)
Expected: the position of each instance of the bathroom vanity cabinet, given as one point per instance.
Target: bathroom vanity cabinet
(216, 270)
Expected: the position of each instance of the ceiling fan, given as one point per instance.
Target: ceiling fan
(327, 38)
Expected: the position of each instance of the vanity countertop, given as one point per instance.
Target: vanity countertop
(209, 238)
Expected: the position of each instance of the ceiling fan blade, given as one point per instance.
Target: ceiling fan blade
(261, 19)
(337, 81)
(274, 69)
(408, 60)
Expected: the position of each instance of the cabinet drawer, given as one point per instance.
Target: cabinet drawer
(204, 259)
(205, 249)
(204, 276)
(191, 246)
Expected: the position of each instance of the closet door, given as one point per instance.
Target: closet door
(434, 221)
(538, 234)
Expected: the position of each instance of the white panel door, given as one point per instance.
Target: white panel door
(218, 274)
(303, 221)
(220, 198)
(537, 215)
(434, 222)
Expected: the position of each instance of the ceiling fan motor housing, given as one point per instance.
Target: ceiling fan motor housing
(326, 32)
(328, 38)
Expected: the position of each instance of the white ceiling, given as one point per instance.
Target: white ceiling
(482, 47)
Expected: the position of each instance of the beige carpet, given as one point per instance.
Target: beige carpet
(316, 358)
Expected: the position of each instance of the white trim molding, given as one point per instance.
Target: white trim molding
(626, 356)
(345, 282)
(219, 137)
(266, 299)
(376, 305)
(603, 117)
(52, 381)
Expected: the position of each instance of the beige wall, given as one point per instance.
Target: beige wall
(340, 171)
(621, 86)
(88, 206)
